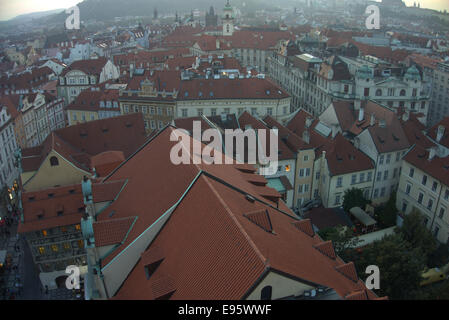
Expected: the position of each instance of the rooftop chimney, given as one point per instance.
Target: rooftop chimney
(306, 136)
(309, 122)
(361, 114)
(440, 133)
(432, 154)
(406, 116)
(373, 120)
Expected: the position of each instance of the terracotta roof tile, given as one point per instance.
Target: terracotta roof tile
(260, 218)
(112, 231)
(305, 226)
(348, 270)
(327, 248)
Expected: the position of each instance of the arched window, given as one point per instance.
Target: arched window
(266, 293)
(402, 94)
(378, 92)
(54, 161)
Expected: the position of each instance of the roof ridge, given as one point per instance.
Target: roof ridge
(237, 223)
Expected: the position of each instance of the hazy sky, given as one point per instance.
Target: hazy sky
(12, 8)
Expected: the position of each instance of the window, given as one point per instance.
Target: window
(404, 207)
(301, 173)
(308, 172)
(388, 159)
(44, 233)
(398, 156)
(370, 176)
(436, 231)
(183, 111)
(420, 198)
(395, 172)
(379, 176)
(382, 192)
(287, 168)
(408, 188)
(402, 93)
(339, 182)
(306, 158)
(412, 172)
(266, 293)
(378, 92)
(354, 179)
(54, 161)
(424, 180)
(337, 200)
(366, 92)
(66, 246)
(386, 175)
(446, 195)
(78, 227)
(362, 177)
(54, 248)
(41, 250)
(430, 204)
(442, 212)
(381, 160)
(434, 186)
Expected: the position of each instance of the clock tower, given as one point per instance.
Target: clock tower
(228, 20)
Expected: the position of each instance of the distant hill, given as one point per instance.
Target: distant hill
(109, 9)
(35, 15)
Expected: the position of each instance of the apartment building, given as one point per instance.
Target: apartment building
(259, 97)
(315, 83)
(90, 149)
(83, 74)
(8, 144)
(424, 186)
(51, 226)
(93, 104)
(375, 130)
(440, 94)
(153, 94)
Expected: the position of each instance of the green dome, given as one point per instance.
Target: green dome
(412, 73)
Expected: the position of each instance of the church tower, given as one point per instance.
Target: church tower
(228, 20)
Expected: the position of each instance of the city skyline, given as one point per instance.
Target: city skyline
(12, 9)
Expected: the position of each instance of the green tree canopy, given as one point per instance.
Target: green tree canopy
(354, 198)
(400, 266)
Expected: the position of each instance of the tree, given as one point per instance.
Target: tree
(387, 215)
(354, 198)
(343, 239)
(417, 235)
(400, 266)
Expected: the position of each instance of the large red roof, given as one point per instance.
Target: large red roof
(217, 243)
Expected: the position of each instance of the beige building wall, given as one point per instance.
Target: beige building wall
(50, 176)
(78, 116)
(282, 287)
(305, 164)
(432, 203)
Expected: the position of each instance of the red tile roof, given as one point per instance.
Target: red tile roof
(434, 131)
(124, 133)
(343, 158)
(438, 168)
(210, 249)
(107, 191)
(348, 270)
(211, 89)
(90, 67)
(111, 232)
(68, 199)
(327, 248)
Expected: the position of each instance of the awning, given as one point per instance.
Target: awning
(280, 184)
(363, 217)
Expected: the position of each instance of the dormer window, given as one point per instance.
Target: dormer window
(54, 161)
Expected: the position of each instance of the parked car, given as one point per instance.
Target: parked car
(432, 276)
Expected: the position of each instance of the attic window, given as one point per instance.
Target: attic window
(83, 134)
(31, 199)
(395, 138)
(51, 195)
(128, 124)
(72, 191)
(40, 216)
(81, 209)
